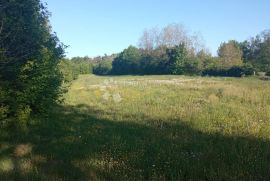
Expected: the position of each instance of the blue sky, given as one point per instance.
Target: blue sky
(96, 27)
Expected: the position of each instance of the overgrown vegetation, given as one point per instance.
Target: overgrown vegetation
(72, 68)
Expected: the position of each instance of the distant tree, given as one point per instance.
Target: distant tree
(83, 65)
(230, 53)
(149, 40)
(127, 62)
(69, 70)
(257, 51)
(263, 57)
(103, 68)
(155, 63)
(173, 35)
(180, 62)
(170, 36)
(177, 56)
(205, 59)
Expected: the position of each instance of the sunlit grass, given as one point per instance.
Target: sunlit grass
(208, 104)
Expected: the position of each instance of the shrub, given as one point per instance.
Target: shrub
(214, 71)
(248, 69)
(235, 71)
(268, 73)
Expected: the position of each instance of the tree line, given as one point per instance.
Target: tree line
(172, 50)
(71, 68)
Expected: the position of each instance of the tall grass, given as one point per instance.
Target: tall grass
(148, 128)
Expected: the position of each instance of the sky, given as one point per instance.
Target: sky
(97, 27)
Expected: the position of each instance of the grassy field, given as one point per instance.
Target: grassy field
(147, 128)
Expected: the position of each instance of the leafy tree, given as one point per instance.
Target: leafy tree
(263, 57)
(127, 62)
(82, 64)
(157, 62)
(180, 62)
(257, 51)
(248, 69)
(69, 71)
(230, 53)
(103, 68)
(178, 57)
(30, 79)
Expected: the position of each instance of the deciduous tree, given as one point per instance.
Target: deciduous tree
(230, 53)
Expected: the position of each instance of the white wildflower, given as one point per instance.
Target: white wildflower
(106, 96)
(117, 98)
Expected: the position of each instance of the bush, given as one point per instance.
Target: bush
(191, 67)
(235, 71)
(248, 69)
(68, 70)
(214, 71)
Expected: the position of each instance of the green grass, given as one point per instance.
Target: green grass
(147, 128)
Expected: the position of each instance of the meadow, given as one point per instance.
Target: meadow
(147, 128)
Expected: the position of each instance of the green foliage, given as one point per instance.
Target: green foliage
(234, 71)
(127, 62)
(152, 65)
(161, 60)
(155, 62)
(230, 54)
(72, 68)
(235, 58)
(30, 54)
(82, 65)
(68, 70)
(257, 51)
(103, 68)
(178, 56)
(264, 55)
(210, 62)
(181, 63)
(248, 69)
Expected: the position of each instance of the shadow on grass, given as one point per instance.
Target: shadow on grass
(73, 143)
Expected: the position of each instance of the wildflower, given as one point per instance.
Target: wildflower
(106, 96)
(117, 98)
